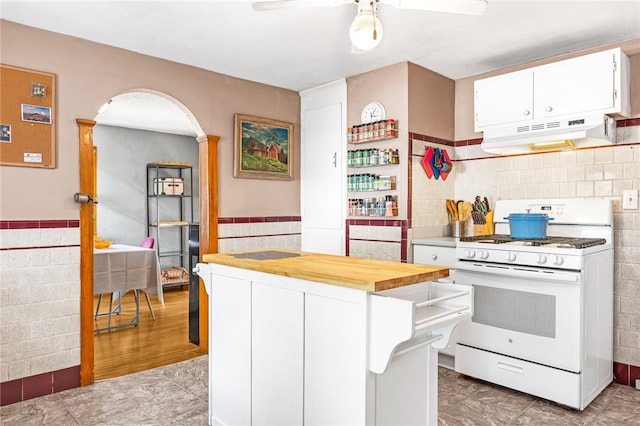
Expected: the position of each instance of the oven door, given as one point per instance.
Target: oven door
(529, 313)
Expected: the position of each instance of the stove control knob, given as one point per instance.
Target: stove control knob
(542, 259)
(471, 253)
(559, 260)
(484, 254)
(511, 256)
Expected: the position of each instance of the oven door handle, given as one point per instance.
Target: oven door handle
(519, 273)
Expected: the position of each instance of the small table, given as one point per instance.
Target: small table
(121, 268)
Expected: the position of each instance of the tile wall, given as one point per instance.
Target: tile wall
(39, 307)
(377, 239)
(257, 233)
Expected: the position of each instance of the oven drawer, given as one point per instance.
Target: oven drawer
(405, 318)
(545, 382)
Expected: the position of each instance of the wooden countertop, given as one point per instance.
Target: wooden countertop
(362, 274)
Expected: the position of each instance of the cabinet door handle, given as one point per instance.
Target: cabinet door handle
(548, 109)
(434, 256)
(526, 112)
(335, 159)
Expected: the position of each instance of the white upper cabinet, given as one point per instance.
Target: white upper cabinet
(595, 83)
(503, 99)
(582, 84)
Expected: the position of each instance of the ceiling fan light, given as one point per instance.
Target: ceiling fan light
(366, 30)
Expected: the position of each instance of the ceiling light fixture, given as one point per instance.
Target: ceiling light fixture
(366, 29)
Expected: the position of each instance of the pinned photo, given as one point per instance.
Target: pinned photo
(39, 90)
(36, 114)
(5, 133)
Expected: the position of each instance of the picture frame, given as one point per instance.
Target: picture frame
(263, 148)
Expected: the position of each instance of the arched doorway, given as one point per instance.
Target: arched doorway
(207, 184)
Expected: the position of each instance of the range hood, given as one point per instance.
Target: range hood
(559, 135)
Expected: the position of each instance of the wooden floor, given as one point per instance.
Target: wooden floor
(152, 343)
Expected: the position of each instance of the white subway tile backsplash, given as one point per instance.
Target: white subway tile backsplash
(631, 171)
(604, 155)
(624, 153)
(584, 189)
(585, 157)
(603, 188)
(551, 190)
(535, 190)
(559, 174)
(567, 158)
(594, 172)
(535, 161)
(567, 190)
(550, 160)
(576, 173)
(613, 171)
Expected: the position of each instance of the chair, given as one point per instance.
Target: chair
(149, 243)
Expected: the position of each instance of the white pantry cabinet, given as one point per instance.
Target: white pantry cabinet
(595, 83)
(289, 351)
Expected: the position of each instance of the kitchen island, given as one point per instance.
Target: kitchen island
(306, 338)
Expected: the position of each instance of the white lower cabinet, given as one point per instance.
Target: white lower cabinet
(230, 367)
(277, 355)
(335, 358)
(286, 351)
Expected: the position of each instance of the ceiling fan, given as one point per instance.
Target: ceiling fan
(366, 29)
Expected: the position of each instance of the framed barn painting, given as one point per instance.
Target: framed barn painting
(263, 148)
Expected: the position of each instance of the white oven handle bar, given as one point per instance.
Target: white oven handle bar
(519, 272)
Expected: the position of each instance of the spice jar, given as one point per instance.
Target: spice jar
(391, 128)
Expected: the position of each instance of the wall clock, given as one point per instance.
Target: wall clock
(373, 111)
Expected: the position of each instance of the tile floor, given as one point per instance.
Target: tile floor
(177, 395)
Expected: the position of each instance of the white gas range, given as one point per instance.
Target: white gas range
(543, 308)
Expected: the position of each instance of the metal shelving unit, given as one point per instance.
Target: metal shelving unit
(169, 214)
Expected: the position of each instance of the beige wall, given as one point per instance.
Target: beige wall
(89, 74)
(431, 103)
(464, 87)
(386, 85)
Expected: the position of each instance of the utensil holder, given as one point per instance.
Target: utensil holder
(457, 228)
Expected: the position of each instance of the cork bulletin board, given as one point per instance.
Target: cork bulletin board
(27, 118)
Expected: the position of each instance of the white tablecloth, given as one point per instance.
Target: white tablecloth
(123, 268)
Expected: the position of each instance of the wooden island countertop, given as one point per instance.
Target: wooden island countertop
(353, 272)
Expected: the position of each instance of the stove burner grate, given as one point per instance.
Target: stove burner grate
(562, 242)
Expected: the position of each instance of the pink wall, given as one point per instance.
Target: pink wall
(89, 74)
